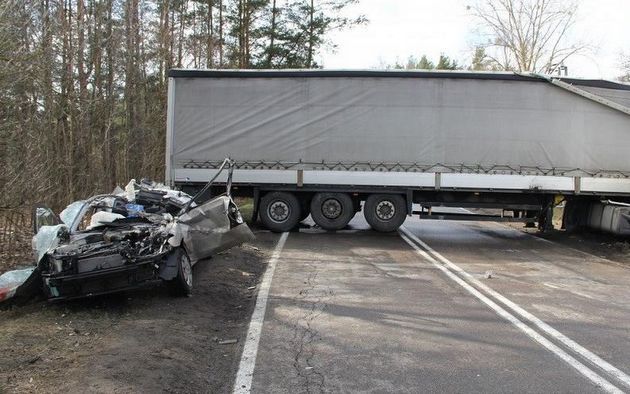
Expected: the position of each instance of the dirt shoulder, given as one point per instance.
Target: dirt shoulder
(599, 244)
(141, 341)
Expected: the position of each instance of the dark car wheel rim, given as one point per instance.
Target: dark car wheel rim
(385, 210)
(279, 211)
(332, 208)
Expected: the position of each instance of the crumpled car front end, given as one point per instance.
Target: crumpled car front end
(106, 259)
(142, 235)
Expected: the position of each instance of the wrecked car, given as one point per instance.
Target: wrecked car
(144, 234)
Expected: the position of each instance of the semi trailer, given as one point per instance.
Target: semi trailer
(329, 144)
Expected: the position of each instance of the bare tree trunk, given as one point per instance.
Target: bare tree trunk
(272, 35)
(195, 38)
(210, 38)
(180, 38)
(163, 42)
(80, 104)
(48, 89)
(66, 118)
(241, 33)
(131, 85)
(246, 30)
(220, 33)
(110, 142)
(311, 35)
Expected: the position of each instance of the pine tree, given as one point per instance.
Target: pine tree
(445, 63)
(481, 61)
(425, 63)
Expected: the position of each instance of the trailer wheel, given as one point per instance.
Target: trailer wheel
(332, 211)
(279, 211)
(385, 212)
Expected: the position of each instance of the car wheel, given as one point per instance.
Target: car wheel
(182, 285)
(280, 211)
(332, 211)
(385, 212)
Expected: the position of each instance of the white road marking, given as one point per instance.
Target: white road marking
(568, 342)
(243, 381)
(583, 369)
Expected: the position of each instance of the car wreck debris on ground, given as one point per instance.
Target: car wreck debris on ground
(144, 234)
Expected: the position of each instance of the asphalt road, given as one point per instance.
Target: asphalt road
(439, 307)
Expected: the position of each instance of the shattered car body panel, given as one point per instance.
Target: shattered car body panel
(136, 237)
(208, 229)
(10, 281)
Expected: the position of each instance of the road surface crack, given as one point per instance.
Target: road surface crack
(313, 299)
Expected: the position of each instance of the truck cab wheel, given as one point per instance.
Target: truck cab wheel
(332, 211)
(280, 211)
(385, 212)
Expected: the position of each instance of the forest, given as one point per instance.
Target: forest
(83, 82)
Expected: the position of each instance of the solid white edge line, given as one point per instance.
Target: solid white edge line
(584, 370)
(243, 381)
(568, 342)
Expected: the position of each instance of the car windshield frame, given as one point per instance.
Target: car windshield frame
(75, 215)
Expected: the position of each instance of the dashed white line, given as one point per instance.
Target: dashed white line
(243, 381)
(598, 380)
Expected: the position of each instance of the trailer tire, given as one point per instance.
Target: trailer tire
(332, 211)
(280, 211)
(385, 212)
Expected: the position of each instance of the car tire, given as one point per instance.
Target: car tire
(280, 211)
(332, 211)
(385, 212)
(182, 285)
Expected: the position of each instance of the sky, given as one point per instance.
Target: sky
(398, 29)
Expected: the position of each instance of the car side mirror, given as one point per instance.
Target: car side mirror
(43, 216)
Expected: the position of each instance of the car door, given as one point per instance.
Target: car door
(208, 229)
(43, 216)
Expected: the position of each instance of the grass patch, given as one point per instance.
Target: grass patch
(246, 206)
